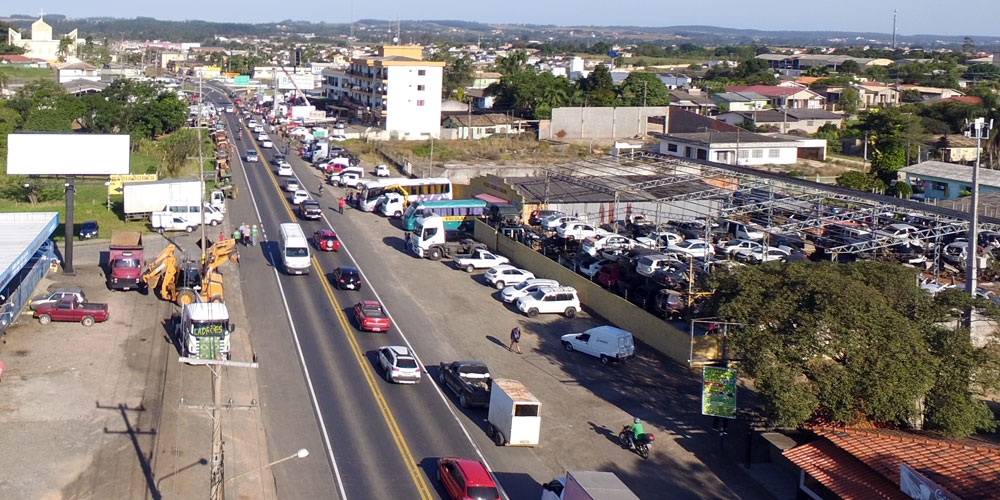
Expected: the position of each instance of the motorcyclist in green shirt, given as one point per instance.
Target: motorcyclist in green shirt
(637, 432)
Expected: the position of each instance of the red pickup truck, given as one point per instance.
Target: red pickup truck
(68, 309)
(371, 317)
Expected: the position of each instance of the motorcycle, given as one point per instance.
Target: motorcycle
(641, 445)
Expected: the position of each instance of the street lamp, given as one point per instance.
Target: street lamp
(302, 453)
(979, 130)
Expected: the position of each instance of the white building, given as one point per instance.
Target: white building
(395, 90)
(735, 148)
(41, 45)
(77, 71)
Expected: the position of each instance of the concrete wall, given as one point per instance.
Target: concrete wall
(645, 327)
(598, 123)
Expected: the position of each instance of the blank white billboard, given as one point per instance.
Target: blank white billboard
(67, 154)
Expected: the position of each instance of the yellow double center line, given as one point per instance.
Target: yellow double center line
(366, 369)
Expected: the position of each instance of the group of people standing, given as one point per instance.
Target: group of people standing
(247, 235)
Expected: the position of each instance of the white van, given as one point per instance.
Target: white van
(648, 264)
(605, 342)
(166, 221)
(294, 249)
(190, 211)
(746, 230)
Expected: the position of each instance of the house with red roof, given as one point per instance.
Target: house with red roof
(895, 465)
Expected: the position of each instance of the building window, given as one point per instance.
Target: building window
(420, 87)
(671, 147)
(809, 123)
(744, 154)
(420, 102)
(758, 153)
(421, 72)
(773, 153)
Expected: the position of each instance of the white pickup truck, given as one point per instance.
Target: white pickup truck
(479, 259)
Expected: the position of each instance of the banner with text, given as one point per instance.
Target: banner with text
(718, 392)
(117, 181)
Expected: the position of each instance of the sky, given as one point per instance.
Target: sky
(972, 18)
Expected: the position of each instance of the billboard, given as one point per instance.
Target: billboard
(303, 82)
(718, 392)
(116, 186)
(67, 154)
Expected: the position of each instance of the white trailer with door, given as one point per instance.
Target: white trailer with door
(143, 198)
(587, 485)
(514, 416)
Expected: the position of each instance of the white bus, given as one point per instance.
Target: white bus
(294, 249)
(434, 188)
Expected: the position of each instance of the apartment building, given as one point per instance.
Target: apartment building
(394, 89)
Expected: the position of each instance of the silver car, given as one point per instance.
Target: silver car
(398, 365)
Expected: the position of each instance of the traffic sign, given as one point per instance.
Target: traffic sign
(241, 80)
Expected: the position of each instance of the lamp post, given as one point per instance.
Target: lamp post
(978, 129)
(302, 453)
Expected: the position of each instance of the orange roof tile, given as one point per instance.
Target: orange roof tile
(841, 473)
(969, 469)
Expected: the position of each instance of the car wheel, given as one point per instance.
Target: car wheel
(499, 285)
(360, 186)
(490, 430)
(464, 401)
(189, 229)
(44, 319)
(87, 321)
(469, 268)
(568, 346)
(214, 223)
(185, 297)
(160, 230)
(499, 439)
(605, 360)
(532, 312)
(570, 312)
(435, 254)
(397, 214)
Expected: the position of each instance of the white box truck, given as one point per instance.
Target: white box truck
(514, 416)
(587, 485)
(294, 249)
(144, 198)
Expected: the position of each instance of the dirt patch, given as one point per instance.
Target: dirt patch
(514, 150)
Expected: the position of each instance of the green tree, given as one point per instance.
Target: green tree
(853, 342)
(968, 45)
(45, 107)
(458, 73)
(640, 89)
(512, 63)
(850, 99)
(177, 149)
(860, 181)
(751, 66)
(599, 87)
(66, 45)
(7, 49)
(889, 130)
(850, 67)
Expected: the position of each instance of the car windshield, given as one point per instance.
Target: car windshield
(130, 263)
(406, 363)
(522, 286)
(296, 252)
(483, 492)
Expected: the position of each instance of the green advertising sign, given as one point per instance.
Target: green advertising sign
(241, 80)
(718, 392)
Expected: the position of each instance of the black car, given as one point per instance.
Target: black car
(537, 216)
(347, 278)
(310, 209)
(89, 229)
(277, 158)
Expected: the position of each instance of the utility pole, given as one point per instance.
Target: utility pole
(201, 164)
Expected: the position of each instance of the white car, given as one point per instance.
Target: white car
(758, 255)
(258, 129)
(506, 274)
(267, 144)
(659, 241)
(694, 248)
(553, 222)
(611, 242)
(262, 137)
(292, 185)
(512, 293)
(578, 231)
(591, 269)
(285, 170)
(550, 300)
(252, 124)
(398, 364)
(382, 171)
(731, 247)
(299, 196)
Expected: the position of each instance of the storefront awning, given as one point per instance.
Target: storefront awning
(489, 198)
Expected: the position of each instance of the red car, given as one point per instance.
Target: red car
(464, 478)
(68, 309)
(326, 240)
(371, 316)
(609, 274)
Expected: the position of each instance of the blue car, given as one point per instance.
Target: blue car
(89, 229)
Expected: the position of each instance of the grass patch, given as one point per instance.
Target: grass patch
(22, 73)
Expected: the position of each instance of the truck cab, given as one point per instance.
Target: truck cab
(204, 330)
(125, 261)
(391, 205)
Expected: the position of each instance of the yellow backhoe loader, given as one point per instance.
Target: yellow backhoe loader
(187, 283)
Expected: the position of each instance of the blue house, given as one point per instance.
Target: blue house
(937, 180)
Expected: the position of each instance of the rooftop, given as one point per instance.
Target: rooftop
(952, 172)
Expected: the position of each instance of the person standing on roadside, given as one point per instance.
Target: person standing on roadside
(253, 235)
(340, 205)
(237, 234)
(515, 339)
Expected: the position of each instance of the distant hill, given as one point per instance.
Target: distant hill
(427, 31)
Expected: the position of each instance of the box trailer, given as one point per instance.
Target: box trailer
(144, 198)
(587, 485)
(514, 416)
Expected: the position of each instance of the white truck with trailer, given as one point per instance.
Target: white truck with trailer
(144, 198)
(587, 485)
(431, 240)
(204, 330)
(514, 416)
